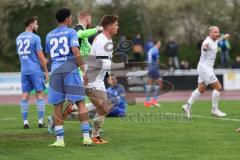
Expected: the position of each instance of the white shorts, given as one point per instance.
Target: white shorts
(206, 75)
(97, 85)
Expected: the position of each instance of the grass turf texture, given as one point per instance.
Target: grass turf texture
(202, 138)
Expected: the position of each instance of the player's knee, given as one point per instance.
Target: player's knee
(105, 108)
(25, 96)
(201, 90)
(39, 94)
(219, 88)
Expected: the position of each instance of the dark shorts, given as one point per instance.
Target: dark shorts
(154, 73)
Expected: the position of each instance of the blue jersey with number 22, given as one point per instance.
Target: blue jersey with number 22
(28, 46)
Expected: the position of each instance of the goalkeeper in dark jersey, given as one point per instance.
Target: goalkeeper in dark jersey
(85, 35)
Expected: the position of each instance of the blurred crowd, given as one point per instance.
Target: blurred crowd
(170, 49)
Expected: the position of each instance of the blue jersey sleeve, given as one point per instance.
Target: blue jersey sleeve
(38, 44)
(46, 46)
(156, 53)
(150, 53)
(112, 96)
(74, 39)
(121, 90)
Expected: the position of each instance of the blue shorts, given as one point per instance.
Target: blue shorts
(33, 81)
(154, 73)
(67, 86)
(117, 112)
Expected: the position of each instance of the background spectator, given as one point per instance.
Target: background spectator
(236, 64)
(224, 48)
(172, 53)
(148, 45)
(137, 47)
(184, 64)
(116, 93)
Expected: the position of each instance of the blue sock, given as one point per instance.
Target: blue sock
(85, 129)
(59, 132)
(156, 92)
(24, 109)
(148, 92)
(41, 108)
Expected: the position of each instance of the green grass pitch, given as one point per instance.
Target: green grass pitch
(159, 136)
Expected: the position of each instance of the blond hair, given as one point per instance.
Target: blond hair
(211, 28)
(83, 14)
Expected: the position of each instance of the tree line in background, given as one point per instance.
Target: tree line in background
(186, 20)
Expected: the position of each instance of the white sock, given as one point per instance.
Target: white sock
(74, 107)
(86, 135)
(194, 97)
(215, 98)
(59, 130)
(90, 107)
(40, 121)
(25, 122)
(97, 124)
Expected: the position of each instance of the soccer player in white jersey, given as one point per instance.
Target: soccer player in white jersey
(99, 62)
(206, 76)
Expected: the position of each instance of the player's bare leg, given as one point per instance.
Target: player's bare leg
(217, 88)
(194, 96)
(102, 110)
(24, 109)
(103, 106)
(66, 112)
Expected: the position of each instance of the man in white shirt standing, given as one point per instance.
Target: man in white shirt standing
(99, 62)
(206, 75)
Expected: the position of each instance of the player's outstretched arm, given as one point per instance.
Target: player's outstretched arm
(86, 33)
(109, 65)
(205, 47)
(43, 62)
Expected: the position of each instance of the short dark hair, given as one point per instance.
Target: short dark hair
(62, 14)
(156, 41)
(108, 19)
(111, 75)
(30, 20)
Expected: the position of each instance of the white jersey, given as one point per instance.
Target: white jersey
(99, 61)
(208, 57)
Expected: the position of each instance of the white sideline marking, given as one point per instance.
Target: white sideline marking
(8, 118)
(208, 117)
(224, 119)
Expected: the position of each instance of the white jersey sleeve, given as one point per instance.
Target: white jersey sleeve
(208, 56)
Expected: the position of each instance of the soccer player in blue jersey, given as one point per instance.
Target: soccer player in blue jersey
(33, 62)
(154, 81)
(65, 83)
(116, 93)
